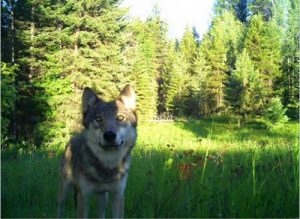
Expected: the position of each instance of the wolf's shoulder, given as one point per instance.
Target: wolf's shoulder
(76, 144)
(77, 141)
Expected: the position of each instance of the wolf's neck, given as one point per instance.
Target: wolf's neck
(109, 159)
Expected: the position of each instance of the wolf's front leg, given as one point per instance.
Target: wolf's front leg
(64, 186)
(82, 205)
(117, 205)
(102, 203)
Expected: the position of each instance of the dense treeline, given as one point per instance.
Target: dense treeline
(247, 64)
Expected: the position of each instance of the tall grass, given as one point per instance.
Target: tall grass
(200, 168)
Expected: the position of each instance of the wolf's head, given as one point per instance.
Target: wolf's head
(110, 125)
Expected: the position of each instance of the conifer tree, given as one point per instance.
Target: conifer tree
(8, 101)
(158, 30)
(241, 90)
(188, 52)
(291, 61)
(274, 114)
(176, 93)
(167, 79)
(262, 7)
(85, 47)
(219, 48)
(150, 65)
(145, 71)
(240, 8)
(188, 48)
(264, 48)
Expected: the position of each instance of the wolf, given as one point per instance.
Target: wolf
(97, 160)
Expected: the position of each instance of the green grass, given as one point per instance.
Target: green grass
(199, 168)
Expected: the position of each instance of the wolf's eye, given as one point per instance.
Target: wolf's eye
(99, 118)
(120, 118)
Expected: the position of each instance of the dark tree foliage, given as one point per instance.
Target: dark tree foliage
(247, 62)
(242, 10)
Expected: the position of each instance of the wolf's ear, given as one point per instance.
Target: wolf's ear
(128, 97)
(89, 98)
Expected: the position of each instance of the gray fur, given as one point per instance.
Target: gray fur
(93, 163)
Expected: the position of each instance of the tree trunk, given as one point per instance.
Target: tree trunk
(32, 32)
(12, 44)
(239, 122)
(76, 43)
(60, 43)
(12, 31)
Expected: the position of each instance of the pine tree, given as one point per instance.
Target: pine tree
(291, 62)
(188, 48)
(241, 91)
(222, 6)
(262, 7)
(196, 36)
(167, 79)
(145, 71)
(274, 114)
(242, 11)
(219, 48)
(19, 30)
(188, 52)
(240, 8)
(158, 30)
(264, 47)
(177, 91)
(151, 65)
(8, 101)
(85, 47)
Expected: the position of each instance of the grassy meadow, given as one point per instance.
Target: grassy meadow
(199, 168)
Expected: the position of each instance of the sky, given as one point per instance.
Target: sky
(177, 13)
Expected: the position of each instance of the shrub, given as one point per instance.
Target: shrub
(274, 114)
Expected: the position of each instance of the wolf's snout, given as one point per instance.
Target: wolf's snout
(109, 136)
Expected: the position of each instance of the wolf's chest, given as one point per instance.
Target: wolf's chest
(97, 172)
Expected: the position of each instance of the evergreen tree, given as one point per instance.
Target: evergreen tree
(264, 47)
(8, 101)
(222, 6)
(158, 30)
(167, 80)
(242, 88)
(188, 51)
(240, 8)
(242, 11)
(7, 30)
(188, 48)
(262, 7)
(196, 36)
(145, 71)
(177, 92)
(201, 69)
(19, 30)
(219, 48)
(85, 47)
(291, 62)
(274, 114)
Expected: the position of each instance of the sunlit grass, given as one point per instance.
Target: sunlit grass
(222, 170)
(201, 168)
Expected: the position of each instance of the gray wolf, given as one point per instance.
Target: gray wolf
(97, 160)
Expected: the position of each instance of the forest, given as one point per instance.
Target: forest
(218, 130)
(246, 65)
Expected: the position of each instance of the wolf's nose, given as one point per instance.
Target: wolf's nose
(109, 136)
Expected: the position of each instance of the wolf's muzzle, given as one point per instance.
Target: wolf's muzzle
(110, 141)
(109, 136)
